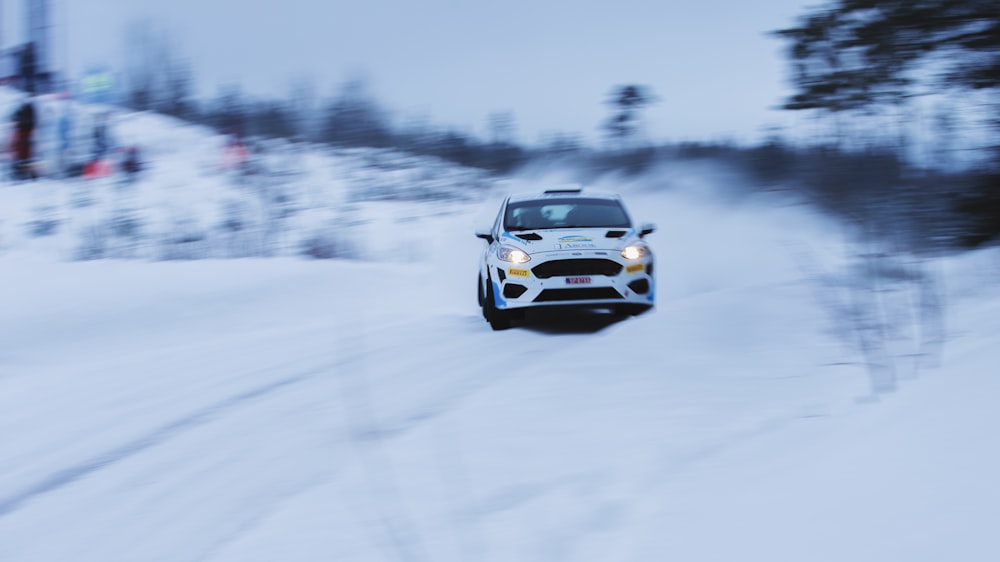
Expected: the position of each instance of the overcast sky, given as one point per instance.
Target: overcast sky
(551, 63)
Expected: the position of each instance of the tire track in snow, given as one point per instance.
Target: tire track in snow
(370, 432)
(415, 415)
(160, 435)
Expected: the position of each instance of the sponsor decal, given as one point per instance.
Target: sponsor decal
(575, 242)
(513, 272)
(634, 268)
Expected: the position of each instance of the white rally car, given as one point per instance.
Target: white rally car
(564, 247)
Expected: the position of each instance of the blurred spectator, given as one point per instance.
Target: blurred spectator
(99, 165)
(64, 131)
(131, 163)
(24, 127)
(235, 154)
(101, 137)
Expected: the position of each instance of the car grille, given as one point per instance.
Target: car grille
(596, 293)
(563, 268)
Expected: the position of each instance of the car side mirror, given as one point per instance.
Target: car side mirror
(485, 234)
(646, 228)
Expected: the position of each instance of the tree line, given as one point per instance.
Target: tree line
(860, 67)
(157, 78)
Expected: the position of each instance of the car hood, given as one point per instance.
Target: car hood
(567, 239)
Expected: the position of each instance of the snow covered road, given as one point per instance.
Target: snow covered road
(264, 409)
(289, 409)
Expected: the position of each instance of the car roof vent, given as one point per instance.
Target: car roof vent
(616, 233)
(569, 188)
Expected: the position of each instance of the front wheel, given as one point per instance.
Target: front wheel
(479, 295)
(498, 319)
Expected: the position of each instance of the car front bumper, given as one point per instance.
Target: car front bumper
(591, 279)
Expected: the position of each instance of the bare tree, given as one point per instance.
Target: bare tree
(354, 118)
(156, 77)
(626, 101)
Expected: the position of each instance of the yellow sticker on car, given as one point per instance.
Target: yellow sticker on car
(517, 272)
(634, 268)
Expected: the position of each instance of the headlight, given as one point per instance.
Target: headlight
(634, 251)
(513, 255)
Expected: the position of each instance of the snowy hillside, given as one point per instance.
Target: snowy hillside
(185, 205)
(279, 407)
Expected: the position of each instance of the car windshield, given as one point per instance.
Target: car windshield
(565, 213)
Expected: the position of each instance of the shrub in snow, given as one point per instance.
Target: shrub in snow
(45, 223)
(92, 243)
(384, 176)
(43, 226)
(120, 235)
(238, 231)
(186, 240)
(126, 224)
(282, 202)
(235, 217)
(125, 229)
(322, 244)
(328, 240)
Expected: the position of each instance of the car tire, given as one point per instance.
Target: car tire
(498, 319)
(479, 296)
